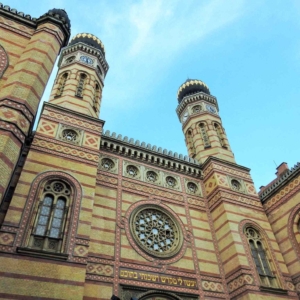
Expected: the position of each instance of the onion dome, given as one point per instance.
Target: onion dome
(60, 14)
(190, 87)
(88, 39)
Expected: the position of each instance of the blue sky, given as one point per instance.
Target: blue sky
(247, 52)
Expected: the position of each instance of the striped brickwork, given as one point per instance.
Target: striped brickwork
(113, 250)
(283, 211)
(230, 211)
(202, 151)
(52, 157)
(68, 98)
(31, 50)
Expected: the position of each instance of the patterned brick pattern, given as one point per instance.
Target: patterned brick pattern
(212, 286)
(7, 238)
(65, 149)
(275, 200)
(91, 141)
(10, 115)
(151, 190)
(240, 281)
(47, 128)
(100, 269)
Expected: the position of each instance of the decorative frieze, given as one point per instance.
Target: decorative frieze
(150, 190)
(151, 176)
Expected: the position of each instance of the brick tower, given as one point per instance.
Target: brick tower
(198, 112)
(28, 51)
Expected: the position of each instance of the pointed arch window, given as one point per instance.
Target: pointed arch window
(62, 83)
(219, 134)
(81, 84)
(260, 258)
(96, 97)
(50, 220)
(204, 135)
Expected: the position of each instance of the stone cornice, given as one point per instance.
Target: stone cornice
(61, 109)
(224, 162)
(193, 98)
(151, 154)
(279, 183)
(86, 48)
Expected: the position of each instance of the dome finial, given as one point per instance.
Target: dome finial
(191, 86)
(89, 39)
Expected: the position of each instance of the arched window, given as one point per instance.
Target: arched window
(81, 84)
(260, 258)
(50, 220)
(190, 143)
(204, 135)
(3, 60)
(219, 134)
(96, 97)
(62, 83)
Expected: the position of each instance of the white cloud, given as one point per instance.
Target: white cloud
(143, 38)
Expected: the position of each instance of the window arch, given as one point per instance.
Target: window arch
(190, 142)
(219, 134)
(4, 61)
(51, 216)
(81, 84)
(97, 93)
(259, 255)
(61, 84)
(294, 229)
(204, 135)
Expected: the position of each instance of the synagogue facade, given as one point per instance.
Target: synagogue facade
(90, 214)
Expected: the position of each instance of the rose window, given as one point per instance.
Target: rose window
(156, 232)
(132, 171)
(107, 164)
(192, 187)
(236, 186)
(69, 135)
(151, 176)
(171, 181)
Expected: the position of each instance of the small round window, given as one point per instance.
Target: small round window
(151, 176)
(107, 164)
(132, 171)
(156, 231)
(171, 181)
(69, 135)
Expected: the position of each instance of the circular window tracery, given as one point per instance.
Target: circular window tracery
(107, 164)
(156, 231)
(57, 187)
(151, 176)
(69, 135)
(171, 181)
(132, 171)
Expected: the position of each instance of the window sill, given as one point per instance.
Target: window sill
(268, 289)
(42, 253)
